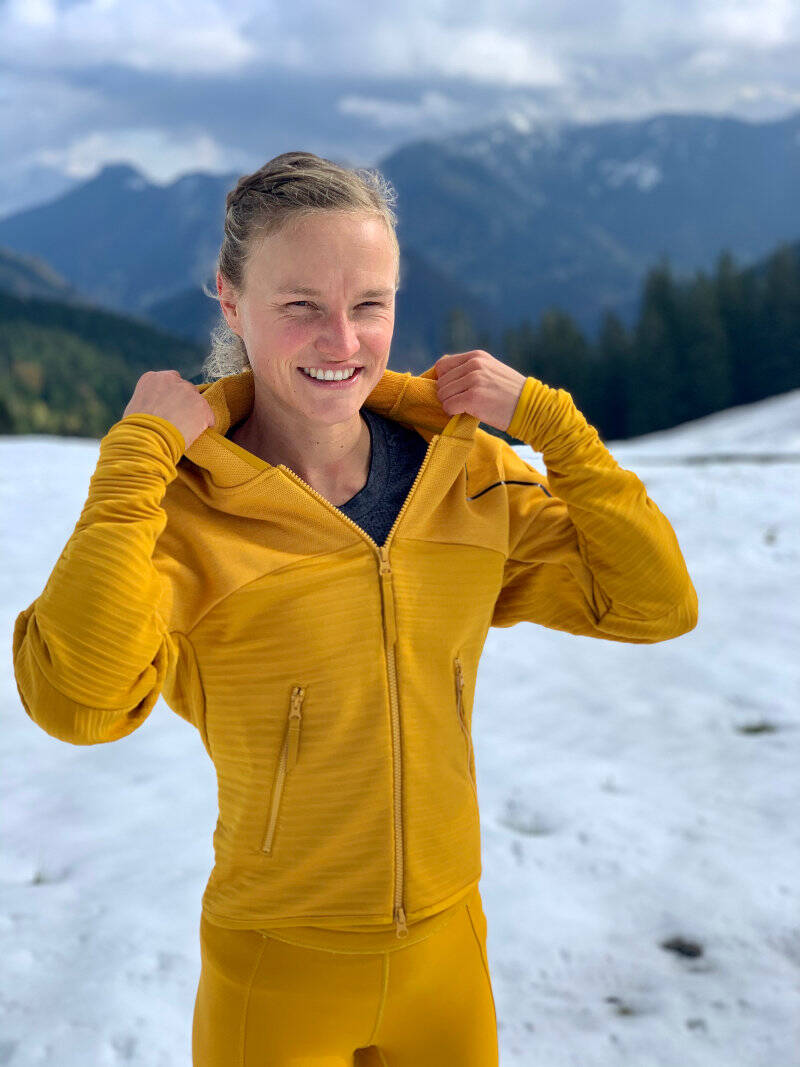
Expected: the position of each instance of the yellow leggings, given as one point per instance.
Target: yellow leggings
(262, 1002)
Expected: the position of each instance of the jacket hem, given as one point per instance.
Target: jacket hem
(346, 921)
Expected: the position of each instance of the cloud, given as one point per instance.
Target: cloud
(511, 43)
(223, 84)
(392, 114)
(145, 35)
(420, 46)
(162, 155)
(736, 22)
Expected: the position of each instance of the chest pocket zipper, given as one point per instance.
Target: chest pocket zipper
(459, 679)
(288, 759)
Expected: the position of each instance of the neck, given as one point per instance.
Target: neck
(331, 458)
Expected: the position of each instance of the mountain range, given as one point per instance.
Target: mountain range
(504, 221)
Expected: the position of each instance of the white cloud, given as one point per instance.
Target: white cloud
(709, 60)
(418, 45)
(511, 43)
(167, 84)
(770, 93)
(170, 35)
(741, 22)
(486, 53)
(389, 113)
(160, 155)
(34, 13)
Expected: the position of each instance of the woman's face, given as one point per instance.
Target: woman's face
(347, 265)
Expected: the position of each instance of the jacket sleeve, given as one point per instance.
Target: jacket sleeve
(93, 652)
(589, 552)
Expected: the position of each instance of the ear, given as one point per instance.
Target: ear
(228, 303)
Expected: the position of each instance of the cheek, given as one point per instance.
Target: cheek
(282, 336)
(378, 334)
(294, 334)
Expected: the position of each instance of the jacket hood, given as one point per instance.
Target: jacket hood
(213, 465)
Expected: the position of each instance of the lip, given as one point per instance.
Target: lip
(341, 384)
(335, 366)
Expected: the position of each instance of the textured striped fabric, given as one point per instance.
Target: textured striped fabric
(332, 679)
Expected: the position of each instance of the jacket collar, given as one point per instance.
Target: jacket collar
(216, 463)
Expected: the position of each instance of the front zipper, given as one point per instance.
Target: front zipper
(459, 677)
(288, 759)
(391, 666)
(390, 635)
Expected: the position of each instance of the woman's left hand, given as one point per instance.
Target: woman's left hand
(479, 384)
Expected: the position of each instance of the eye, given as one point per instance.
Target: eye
(366, 303)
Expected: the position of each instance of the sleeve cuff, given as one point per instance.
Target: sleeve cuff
(518, 419)
(165, 429)
(541, 414)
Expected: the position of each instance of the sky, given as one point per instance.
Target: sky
(629, 794)
(174, 86)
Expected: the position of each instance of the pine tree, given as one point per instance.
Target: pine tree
(705, 383)
(655, 364)
(460, 333)
(614, 372)
(561, 354)
(778, 358)
(738, 302)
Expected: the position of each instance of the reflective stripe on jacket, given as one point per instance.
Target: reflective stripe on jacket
(332, 679)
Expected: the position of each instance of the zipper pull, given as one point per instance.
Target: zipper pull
(388, 596)
(294, 727)
(400, 920)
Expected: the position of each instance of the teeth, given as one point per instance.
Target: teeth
(329, 375)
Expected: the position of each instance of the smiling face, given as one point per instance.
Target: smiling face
(320, 293)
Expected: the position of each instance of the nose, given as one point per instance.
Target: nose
(338, 338)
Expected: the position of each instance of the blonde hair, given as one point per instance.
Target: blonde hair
(287, 188)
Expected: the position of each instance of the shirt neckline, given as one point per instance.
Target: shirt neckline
(375, 486)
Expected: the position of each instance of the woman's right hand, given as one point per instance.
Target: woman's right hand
(166, 393)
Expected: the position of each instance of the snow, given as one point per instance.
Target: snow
(630, 795)
(770, 426)
(135, 184)
(640, 172)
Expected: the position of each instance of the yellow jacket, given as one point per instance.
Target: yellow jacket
(332, 679)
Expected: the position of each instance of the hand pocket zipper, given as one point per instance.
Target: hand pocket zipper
(288, 759)
(459, 680)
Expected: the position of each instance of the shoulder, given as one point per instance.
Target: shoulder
(493, 453)
(492, 461)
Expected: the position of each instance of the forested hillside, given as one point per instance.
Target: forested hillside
(71, 370)
(699, 346)
(717, 341)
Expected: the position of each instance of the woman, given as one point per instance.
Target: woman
(304, 555)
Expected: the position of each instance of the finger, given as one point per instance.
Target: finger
(459, 379)
(454, 366)
(456, 403)
(444, 364)
(454, 388)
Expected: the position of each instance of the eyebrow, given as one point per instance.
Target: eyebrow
(304, 289)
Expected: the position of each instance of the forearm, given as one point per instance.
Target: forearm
(626, 541)
(96, 634)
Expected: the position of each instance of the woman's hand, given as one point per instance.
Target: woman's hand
(479, 384)
(168, 394)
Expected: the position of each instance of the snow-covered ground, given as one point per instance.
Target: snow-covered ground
(630, 795)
